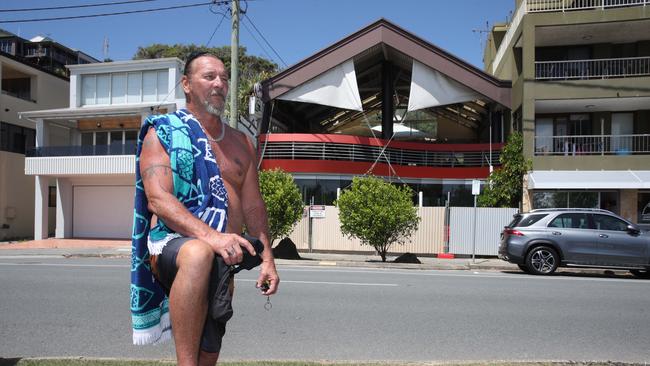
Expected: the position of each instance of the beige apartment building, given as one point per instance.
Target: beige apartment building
(580, 72)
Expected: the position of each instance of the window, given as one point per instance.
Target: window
(643, 205)
(121, 88)
(605, 222)
(570, 221)
(18, 87)
(51, 201)
(16, 139)
(530, 219)
(564, 199)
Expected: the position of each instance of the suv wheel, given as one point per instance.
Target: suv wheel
(640, 273)
(542, 261)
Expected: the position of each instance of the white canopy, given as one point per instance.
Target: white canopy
(591, 179)
(336, 88)
(430, 88)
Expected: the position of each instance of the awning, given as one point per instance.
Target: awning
(95, 111)
(430, 88)
(590, 179)
(335, 88)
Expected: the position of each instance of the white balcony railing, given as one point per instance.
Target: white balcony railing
(590, 69)
(592, 145)
(538, 6)
(535, 6)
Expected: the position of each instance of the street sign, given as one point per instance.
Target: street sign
(317, 211)
(476, 187)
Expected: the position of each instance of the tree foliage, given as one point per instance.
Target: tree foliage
(505, 185)
(378, 213)
(252, 69)
(283, 201)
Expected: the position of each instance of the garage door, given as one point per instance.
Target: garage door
(102, 211)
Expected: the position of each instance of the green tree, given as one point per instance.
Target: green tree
(505, 185)
(377, 213)
(252, 69)
(283, 202)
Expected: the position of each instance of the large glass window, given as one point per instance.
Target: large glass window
(149, 79)
(134, 82)
(118, 89)
(18, 87)
(566, 199)
(88, 85)
(103, 89)
(643, 205)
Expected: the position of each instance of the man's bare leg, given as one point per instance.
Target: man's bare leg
(188, 300)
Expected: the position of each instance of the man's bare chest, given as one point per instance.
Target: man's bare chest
(233, 163)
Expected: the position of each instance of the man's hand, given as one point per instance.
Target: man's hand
(268, 275)
(229, 246)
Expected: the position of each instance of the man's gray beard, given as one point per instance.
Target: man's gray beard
(214, 110)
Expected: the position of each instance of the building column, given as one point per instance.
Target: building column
(63, 208)
(386, 101)
(526, 197)
(628, 204)
(41, 195)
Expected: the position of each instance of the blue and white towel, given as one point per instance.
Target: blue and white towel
(199, 186)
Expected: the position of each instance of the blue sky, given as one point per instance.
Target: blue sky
(295, 28)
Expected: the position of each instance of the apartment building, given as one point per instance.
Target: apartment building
(580, 72)
(25, 87)
(43, 52)
(383, 101)
(86, 151)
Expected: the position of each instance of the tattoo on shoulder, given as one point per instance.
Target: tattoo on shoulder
(156, 170)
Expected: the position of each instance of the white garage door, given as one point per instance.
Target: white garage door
(102, 211)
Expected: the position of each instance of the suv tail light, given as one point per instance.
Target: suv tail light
(513, 232)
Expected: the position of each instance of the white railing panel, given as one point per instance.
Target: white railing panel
(590, 69)
(80, 165)
(592, 145)
(539, 6)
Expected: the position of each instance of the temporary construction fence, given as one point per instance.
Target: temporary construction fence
(322, 232)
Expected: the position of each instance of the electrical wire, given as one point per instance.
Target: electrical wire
(265, 40)
(75, 6)
(217, 27)
(110, 14)
(257, 41)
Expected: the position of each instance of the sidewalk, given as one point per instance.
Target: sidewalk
(75, 248)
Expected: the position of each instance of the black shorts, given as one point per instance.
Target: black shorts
(213, 331)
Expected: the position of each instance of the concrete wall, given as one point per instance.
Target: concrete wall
(16, 197)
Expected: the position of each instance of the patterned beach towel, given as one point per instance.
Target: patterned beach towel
(198, 185)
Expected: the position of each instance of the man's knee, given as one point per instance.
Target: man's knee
(208, 358)
(195, 254)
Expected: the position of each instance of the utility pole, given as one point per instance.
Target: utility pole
(234, 63)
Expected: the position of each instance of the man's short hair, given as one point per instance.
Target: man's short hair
(193, 56)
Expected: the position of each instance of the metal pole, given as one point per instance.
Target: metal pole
(474, 232)
(234, 63)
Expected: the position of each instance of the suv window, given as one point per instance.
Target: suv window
(570, 221)
(525, 221)
(606, 222)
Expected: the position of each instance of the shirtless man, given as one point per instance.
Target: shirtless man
(205, 83)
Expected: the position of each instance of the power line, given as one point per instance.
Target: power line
(215, 29)
(110, 14)
(257, 41)
(264, 38)
(76, 6)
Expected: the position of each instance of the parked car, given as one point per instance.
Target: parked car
(542, 240)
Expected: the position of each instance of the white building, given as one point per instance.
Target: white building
(88, 149)
(25, 87)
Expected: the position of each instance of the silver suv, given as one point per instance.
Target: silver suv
(542, 240)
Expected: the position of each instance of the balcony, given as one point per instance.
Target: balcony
(84, 150)
(592, 69)
(592, 145)
(539, 6)
(370, 150)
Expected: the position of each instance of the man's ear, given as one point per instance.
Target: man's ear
(185, 82)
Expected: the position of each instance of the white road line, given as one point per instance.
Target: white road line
(330, 283)
(66, 265)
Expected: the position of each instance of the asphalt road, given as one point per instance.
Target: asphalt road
(79, 307)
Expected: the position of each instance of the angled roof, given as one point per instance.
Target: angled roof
(383, 32)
